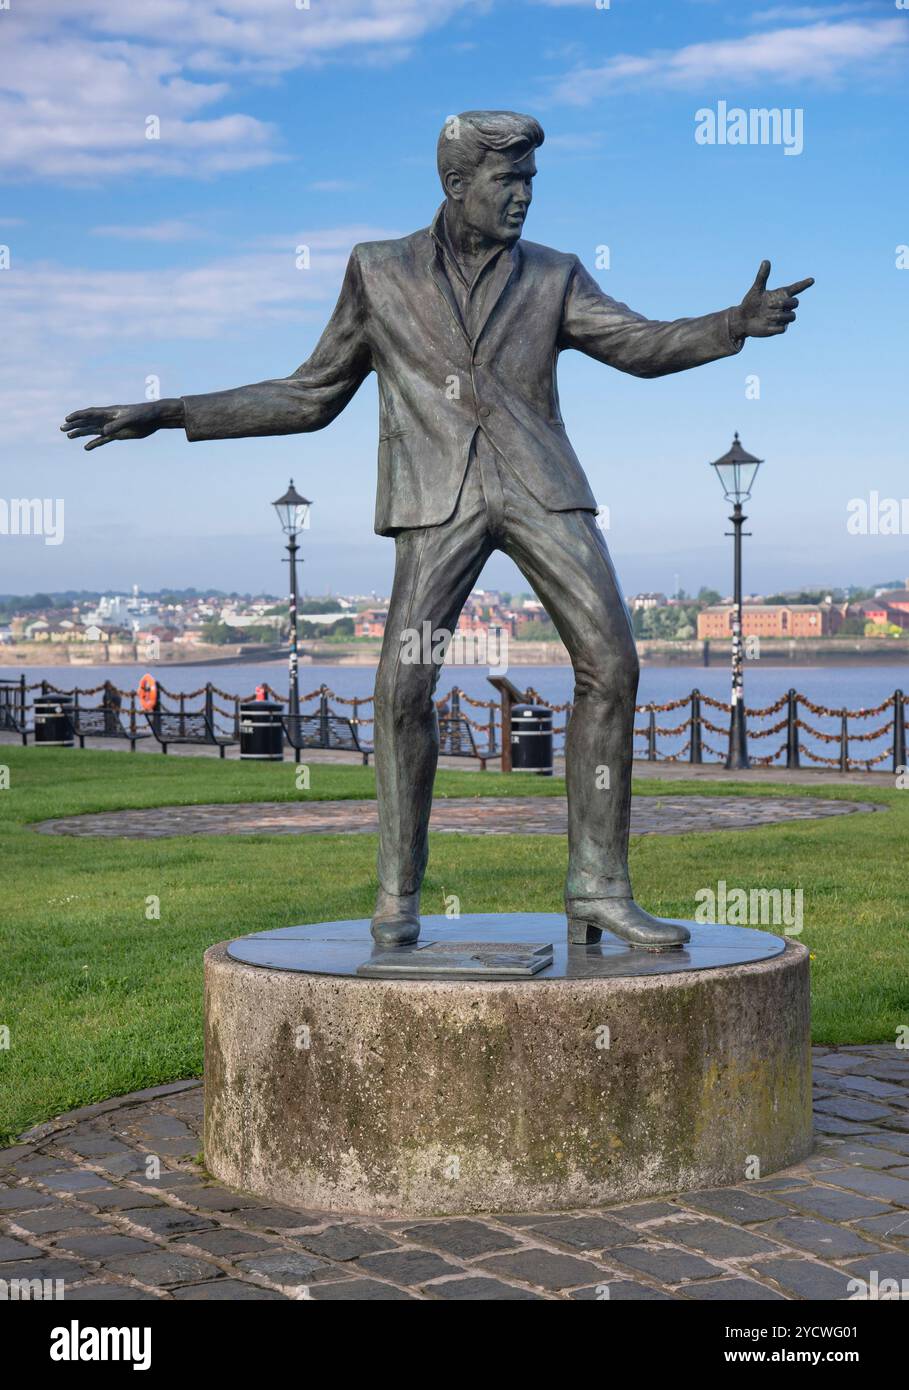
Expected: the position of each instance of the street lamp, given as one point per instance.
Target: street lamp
(293, 514)
(737, 470)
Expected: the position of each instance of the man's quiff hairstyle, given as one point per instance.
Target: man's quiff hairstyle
(467, 139)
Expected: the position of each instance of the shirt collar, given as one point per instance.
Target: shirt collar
(439, 233)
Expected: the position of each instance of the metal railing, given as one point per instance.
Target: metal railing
(695, 739)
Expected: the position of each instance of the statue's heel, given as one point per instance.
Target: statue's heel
(581, 932)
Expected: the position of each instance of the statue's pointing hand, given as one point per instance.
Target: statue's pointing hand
(763, 313)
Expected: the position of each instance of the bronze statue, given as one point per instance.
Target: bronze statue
(463, 323)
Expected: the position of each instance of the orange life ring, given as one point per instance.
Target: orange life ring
(148, 693)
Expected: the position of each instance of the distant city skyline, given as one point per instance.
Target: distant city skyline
(192, 594)
(131, 264)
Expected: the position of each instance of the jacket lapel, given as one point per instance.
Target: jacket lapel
(443, 284)
(500, 275)
(502, 271)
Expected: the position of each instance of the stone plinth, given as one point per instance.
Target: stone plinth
(613, 1075)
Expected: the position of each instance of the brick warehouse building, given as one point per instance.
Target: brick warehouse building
(771, 620)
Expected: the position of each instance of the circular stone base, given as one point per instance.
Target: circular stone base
(578, 1087)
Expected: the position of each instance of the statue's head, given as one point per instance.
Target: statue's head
(486, 164)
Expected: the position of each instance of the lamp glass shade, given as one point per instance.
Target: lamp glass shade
(293, 511)
(737, 470)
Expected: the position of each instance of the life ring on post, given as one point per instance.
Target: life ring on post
(148, 693)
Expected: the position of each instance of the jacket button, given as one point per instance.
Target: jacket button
(485, 412)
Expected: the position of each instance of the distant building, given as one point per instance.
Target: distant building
(115, 610)
(325, 619)
(890, 608)
(896, 598)
(193, 635)
(525, 617)
(371, 622)
(895, 593)
(770, 620)
(646, 601)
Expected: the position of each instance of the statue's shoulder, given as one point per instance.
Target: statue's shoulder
(372, 255)
(547, 258)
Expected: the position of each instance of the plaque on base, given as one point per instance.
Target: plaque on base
(475, 960)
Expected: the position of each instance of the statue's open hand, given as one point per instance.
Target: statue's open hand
(109, 422)
(763, 312)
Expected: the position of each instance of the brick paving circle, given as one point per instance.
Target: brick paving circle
(109, 1200)
(486, 815)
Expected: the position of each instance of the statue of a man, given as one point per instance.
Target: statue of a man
(463, 323)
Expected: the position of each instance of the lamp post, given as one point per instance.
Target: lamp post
(737, 470)
(293, 514)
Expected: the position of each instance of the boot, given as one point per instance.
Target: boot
(588, 918)
(396, 920)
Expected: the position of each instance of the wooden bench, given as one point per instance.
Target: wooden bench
(456, 739)
(12, 710)
(101, 721)
(323, 731)
(175, 726)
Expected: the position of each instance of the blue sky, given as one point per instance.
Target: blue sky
(281, 126)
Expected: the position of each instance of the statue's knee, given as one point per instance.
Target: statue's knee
(611, 677)
(405, 694)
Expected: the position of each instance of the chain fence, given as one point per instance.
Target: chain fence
(825, 736)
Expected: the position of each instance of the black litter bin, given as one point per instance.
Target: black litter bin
(261, 733)
(531, 739)
(53, 721)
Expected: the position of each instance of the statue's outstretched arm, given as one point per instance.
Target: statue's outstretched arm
(611, 332)
(308, 399)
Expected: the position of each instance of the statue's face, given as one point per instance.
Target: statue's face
(494, 201)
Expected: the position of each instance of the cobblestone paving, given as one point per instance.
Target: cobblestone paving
(539, 815)
(79, 1202)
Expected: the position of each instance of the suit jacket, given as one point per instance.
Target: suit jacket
(397, 315)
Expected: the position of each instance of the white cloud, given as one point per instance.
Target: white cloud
(173, 230)
(815, 52)
(74, 110)
(270, 35)
(61, 323)
(79, 81)
(333, 186)
(578, 141)
(798, 14)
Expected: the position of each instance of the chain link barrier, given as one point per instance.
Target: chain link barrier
(15, 708)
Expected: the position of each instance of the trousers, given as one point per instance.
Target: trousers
(564, 558)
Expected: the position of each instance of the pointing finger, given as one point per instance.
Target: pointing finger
(800, 285)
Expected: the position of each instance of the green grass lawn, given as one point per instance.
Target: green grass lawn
(99, 999)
